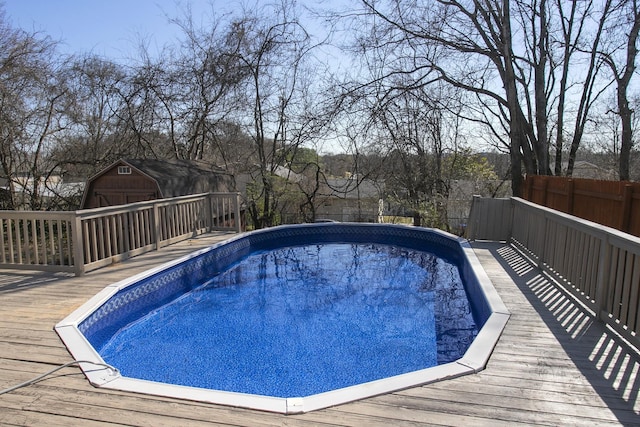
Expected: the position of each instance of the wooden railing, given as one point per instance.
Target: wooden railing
(489, 219)
(84, 240)
(599, 265)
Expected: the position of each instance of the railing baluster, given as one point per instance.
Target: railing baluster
(10, 240)
(59, 242)
(633, 319)
(86, 242)
(43, 243)
(106, 236)
(18, 235)
(3, 223)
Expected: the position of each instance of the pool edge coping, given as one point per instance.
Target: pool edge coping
(474, 360)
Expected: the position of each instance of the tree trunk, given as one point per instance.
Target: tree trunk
(542, 147)
(623, 102)
(566, 57)
(516, 127)
(626, 137)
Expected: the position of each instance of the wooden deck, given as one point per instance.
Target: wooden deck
(553, 365)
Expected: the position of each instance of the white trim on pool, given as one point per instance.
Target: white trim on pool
(495, 316)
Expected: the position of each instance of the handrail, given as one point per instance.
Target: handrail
(83, 240)
(599, 265)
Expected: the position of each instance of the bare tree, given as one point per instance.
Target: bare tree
(200, 84)
(112, 113)
(142, 124)
(590, 92)
(510, 54)
(274, 51)
(94, 137)
(621, 60)
(32, 97)
(464, 45)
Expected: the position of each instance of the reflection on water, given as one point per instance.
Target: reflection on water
(301, 320)
(322, 275)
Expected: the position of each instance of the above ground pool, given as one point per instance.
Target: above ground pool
(294, 318)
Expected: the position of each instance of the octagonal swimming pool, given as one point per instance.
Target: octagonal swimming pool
(294, 318)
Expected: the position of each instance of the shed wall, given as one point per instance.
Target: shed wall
(111, 188)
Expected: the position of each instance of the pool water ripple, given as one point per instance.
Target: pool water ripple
(302, 320)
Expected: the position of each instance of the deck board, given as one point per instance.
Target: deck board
(554, 364)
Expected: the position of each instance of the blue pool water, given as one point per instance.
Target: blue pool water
(299, 320)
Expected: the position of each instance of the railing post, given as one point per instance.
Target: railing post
(602, 292)
(237, 214)
(208, 212)
(474, 213)
(156, 225)
(78, 244)
(511, 208)
(543, 247)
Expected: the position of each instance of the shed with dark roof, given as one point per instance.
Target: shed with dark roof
(138, 180)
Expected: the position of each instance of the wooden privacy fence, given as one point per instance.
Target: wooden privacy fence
(599, 265)
(84, 240)
(615, 204)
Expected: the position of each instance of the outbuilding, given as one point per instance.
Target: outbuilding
(137, 180)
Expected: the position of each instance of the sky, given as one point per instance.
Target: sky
(110, 28)
(113, 28)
